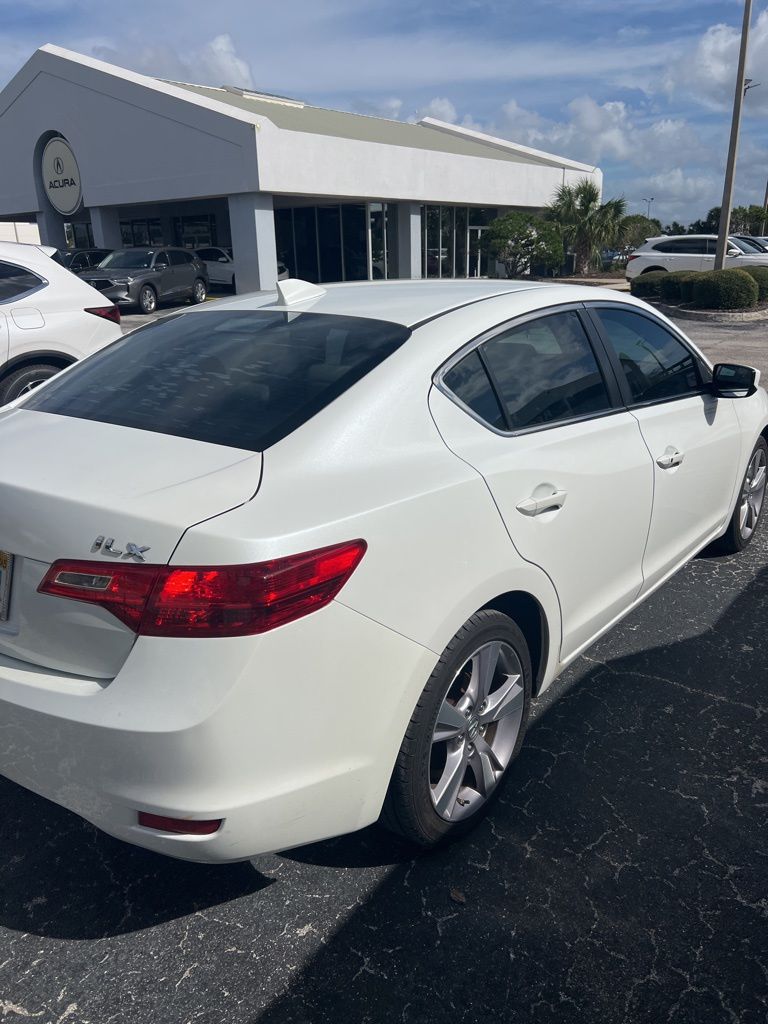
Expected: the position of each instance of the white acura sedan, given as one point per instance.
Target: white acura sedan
(278, 567)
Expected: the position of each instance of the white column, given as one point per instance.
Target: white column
(252, 226)
(105, 224)
(51, 227)
(409, 240)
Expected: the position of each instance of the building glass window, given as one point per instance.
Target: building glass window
(192, 232)
(451, 244)
(141, 233)
(305, 235)
(446, 241)
(460, 237)
(390, 225)
(378, 240)
(329, 243)
(284, 240)
(355, 235)
(351, 242)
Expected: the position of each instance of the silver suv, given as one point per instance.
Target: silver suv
(692, 252)
(144, 277)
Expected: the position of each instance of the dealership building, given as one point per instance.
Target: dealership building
(97, 155)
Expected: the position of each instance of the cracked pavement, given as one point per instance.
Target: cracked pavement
(621, 877)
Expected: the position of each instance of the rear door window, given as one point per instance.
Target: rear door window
(16, 281)
(244, 379)
(545, 371)
(469, 382)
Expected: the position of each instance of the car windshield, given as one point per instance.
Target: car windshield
(129, 259)
(241, 378)
(747, 246)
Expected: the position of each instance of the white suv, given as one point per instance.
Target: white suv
(49, 318)
(692, 252)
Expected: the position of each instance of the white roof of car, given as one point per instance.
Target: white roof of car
(403, 302)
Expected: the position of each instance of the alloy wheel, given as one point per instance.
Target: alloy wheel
(148, 300)
(752, 494)
(476, 731)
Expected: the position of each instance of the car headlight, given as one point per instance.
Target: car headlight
(122, 280)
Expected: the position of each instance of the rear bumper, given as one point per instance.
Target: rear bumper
(289, 737)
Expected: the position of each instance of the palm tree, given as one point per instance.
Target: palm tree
(588, 226)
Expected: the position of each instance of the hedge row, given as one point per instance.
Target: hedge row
(709, 289)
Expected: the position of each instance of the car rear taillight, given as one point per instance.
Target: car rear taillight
(107, 312)
(630, 258)
(208, 601)
(180, 826)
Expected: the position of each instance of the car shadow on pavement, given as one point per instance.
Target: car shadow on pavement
(63, 878)
(621, 877)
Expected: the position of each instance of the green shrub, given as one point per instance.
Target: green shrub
(646, 286)
(760, 274)
(686, 287)
(671, 285)
(725, 289)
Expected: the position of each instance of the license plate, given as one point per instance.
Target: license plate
(6, 572)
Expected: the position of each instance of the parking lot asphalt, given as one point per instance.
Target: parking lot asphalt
(621, 876)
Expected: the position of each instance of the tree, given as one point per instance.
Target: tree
(709, 226)
(675, 228)
(588, 226)
(636, 228)
(522, 240)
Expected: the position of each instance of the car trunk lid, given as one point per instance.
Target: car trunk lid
(67, 488)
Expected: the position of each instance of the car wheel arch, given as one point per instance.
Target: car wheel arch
(529, 615)
(59, 359)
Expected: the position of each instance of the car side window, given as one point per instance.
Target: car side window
(656, 364)
(161, 261)
(16, 281)
(178, 259)
(545, 371)
(211, 255)
(692, 246)
(470, 383)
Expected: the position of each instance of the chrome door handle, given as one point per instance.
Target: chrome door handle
(535, 506)
(671, 458)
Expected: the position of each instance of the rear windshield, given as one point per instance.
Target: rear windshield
(244, 379)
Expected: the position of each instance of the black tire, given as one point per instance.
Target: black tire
(234, 286)
(24, 379)
(733, 540)
(654, 270)
(199, 291)
(147, 299)
(408, 808)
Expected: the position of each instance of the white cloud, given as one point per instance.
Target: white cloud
(708, 73)
(215, 63)
(439, 107)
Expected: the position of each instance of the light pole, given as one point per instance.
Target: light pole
(742, 86)
(649, 200)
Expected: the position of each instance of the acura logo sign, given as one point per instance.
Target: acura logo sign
(61, 176)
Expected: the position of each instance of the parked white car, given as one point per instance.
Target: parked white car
(315, 573)
(222, 268)
(49, 318)
(692, 252)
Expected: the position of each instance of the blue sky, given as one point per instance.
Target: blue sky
(641, 88)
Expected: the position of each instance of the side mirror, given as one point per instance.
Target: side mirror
(730, 380)
(733, 252)
(222, 259)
